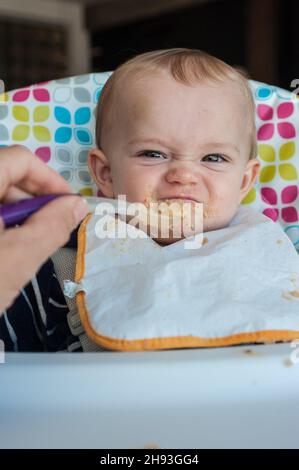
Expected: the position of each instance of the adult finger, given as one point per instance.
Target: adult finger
(24, 249)
(19, 167)
(14, 194)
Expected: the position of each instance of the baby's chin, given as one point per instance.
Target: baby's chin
(171, 239)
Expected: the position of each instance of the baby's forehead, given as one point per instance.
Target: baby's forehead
(135, 91)
(148, 111)
(147, 96)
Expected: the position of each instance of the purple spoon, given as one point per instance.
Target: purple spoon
(17, 212)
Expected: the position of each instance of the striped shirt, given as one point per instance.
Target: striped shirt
(37, 320)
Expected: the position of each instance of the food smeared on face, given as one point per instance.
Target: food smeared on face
(181, 218)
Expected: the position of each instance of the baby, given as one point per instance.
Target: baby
(177, 125)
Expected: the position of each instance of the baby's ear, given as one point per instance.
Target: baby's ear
(249, 177)
(100, 171)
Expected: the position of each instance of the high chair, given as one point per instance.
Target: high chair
(229, 397)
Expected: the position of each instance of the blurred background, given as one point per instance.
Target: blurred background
(42, 40)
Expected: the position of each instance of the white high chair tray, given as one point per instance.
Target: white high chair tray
(238, 397)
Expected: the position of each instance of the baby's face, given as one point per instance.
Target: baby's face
(168, 140)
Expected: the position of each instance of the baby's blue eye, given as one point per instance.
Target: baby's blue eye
(152, 154)
(214, 158)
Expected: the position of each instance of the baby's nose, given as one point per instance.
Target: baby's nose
(181, 175)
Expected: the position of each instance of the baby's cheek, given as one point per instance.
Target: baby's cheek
(227, 194)
(122, 180)
(144, 187)
(134, 190)
(225, 208)
(220, 210)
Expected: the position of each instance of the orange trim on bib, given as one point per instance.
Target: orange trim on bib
(266, 336)
(80, 263)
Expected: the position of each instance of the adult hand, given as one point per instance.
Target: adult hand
(24, 249)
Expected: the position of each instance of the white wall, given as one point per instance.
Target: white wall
(66, 13)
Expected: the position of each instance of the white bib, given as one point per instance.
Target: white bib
(240, 286)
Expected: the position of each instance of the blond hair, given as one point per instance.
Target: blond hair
(187, 66)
